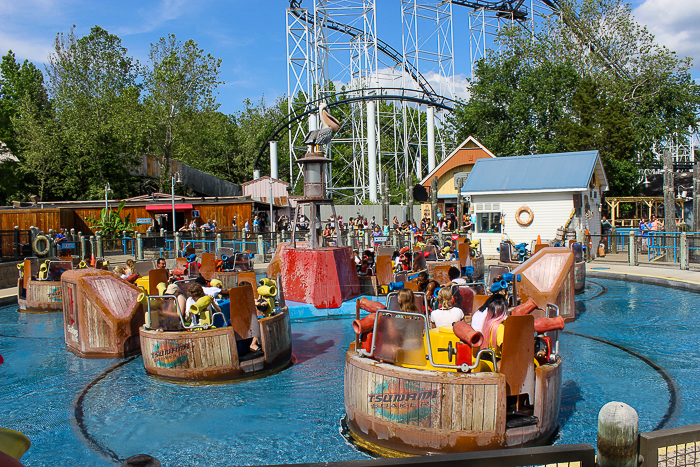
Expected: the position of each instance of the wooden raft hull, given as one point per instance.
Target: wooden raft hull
(396, 411)
(212, 354)
(41, 297)
(579, 276)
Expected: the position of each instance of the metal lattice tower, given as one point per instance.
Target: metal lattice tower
(335, 44)
(486, 21)
(428, 47)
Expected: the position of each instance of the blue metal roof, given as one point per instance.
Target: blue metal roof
(568, 171)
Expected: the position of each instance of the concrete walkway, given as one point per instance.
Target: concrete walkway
(656, 274)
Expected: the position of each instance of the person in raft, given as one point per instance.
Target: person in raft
(196, 292)
(407, 301)
(174, 290)
(160, 264)
(446, 314)
(492, 327)
(455, 277)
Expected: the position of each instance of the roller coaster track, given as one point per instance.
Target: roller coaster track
(389, 51)
(348, 97)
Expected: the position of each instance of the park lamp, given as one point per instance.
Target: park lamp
(107, 189)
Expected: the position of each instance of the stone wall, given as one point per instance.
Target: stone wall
(8, 274)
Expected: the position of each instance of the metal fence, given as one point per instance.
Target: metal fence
(674, 447)
(566, 455)
(655, 246)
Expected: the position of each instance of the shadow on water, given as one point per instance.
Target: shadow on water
(306, 349)
(580, 307)
(571, 395)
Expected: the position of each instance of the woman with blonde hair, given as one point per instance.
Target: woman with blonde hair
(407, 301)
(446, 314)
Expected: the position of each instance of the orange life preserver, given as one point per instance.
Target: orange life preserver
(528, 221)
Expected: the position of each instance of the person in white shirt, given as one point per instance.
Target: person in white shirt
(446, 315)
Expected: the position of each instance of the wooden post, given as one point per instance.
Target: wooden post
(433, 200)
(261, 248)
(100, 246)
(632, 249)
(685, 251)
(219, 241)
(16, 243)
(669, 195)
(83, 247)
(176, 240)
(141, 460)
(139, 247)
(618, 435)
(696, 197)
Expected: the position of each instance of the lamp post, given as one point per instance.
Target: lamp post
(174, 179)
(107, 188)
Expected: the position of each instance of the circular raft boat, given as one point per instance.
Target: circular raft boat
(218, 346)
(41, 292)
(413, 390)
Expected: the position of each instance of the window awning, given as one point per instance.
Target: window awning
(167, 207)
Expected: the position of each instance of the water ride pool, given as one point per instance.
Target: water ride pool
(631, 342)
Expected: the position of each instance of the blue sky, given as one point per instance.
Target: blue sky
(249, 36)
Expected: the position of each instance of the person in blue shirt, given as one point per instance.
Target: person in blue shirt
(60, 238)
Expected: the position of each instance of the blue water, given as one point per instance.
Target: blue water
(294, 415)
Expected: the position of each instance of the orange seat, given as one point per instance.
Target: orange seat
(441, 275)
(208, 266)
(155, 277)
(384, 269)
(517, 356)
(250, 278)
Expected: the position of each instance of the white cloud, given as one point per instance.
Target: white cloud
(150, 19)
(35, 49)
(674, 23)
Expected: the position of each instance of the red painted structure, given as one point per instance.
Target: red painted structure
(324, 277)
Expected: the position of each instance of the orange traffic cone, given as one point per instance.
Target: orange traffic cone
(92, 260)
(539, 240)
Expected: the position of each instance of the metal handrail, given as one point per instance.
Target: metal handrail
(463, 367)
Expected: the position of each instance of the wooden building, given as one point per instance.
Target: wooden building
(148, 211)
(451, 174)
(523, 197)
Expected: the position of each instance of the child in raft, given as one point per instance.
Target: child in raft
(446, 314)
(196, 292)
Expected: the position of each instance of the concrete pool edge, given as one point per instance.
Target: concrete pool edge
(675, 283)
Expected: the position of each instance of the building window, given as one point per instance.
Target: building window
(488, 222)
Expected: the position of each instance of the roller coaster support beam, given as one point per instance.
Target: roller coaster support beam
(372, 150)
(274, 173)
(431, 138)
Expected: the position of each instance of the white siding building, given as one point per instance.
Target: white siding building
(555, 187)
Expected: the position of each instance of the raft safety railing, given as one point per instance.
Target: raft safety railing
(402, 314)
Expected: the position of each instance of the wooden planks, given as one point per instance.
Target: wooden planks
(426, 399)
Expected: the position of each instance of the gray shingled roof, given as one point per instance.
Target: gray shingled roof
(569, 171)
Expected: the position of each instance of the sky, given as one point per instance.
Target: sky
(250, 37)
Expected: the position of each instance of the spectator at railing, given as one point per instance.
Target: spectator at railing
(656, 224)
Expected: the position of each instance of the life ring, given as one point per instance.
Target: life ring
(528, 221)
(43, 251)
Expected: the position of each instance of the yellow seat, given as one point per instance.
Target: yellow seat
(13, 443)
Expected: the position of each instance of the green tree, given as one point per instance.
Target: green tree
(514, 106)
(95, 128)
(17, 83)
(601, 39)
(596, 122)
(180, 83)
